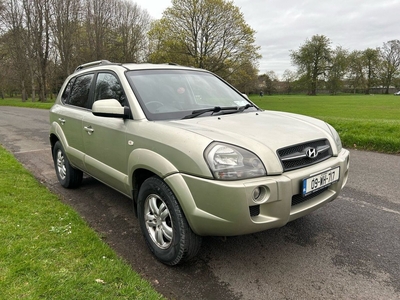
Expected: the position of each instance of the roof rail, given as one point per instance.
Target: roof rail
(92, 64)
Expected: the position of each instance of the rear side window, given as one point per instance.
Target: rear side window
(67, 91)
(79, 91)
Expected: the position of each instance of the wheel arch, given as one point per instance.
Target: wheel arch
(143, 164)
(53, 140)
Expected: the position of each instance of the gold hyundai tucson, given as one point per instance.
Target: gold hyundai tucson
(195, 155)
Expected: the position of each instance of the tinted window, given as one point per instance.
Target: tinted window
(108, 87)
(80, 91)
(67, 90)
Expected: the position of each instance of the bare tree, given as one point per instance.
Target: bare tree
(130, 28)
(99, 16)
(12, 22)
(390, 55)
(289, 77)
(37, 24)
(65, 27)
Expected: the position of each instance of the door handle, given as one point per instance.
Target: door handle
(61, 120)
(89, 129)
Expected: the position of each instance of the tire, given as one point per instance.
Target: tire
(68, 176)
(163, 224)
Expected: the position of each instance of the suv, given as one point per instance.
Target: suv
(195, 155)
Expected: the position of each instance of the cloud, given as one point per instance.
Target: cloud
(284, 25)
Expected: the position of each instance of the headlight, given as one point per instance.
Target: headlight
(228, 162)
(336, 137)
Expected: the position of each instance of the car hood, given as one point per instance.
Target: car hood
(262, 132)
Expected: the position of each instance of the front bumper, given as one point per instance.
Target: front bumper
(226, 208)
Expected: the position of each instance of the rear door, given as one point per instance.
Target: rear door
(76, 100)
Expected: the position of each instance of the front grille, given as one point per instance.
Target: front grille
(294, 157)
(297, 199)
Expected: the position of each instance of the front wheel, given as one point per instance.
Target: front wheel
(164, 225)
(68, 176)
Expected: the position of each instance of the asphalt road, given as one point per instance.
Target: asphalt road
(349, 249)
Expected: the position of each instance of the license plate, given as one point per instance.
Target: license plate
(319, 181)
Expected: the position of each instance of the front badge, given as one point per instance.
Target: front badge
(311, 153)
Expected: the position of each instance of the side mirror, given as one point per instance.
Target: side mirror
(110, 108)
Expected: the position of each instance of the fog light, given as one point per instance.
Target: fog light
(257, 194)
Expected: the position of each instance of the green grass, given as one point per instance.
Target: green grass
(367, 122)
(18, 102)
(48, 252)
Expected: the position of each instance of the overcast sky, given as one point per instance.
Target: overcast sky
(284, 25)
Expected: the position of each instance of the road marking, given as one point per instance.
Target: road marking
(29, 151)
(363, 203)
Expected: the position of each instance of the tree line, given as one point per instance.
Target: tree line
(321, 67)
(42, 41)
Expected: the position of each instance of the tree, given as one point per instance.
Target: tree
(130, 33)
(99, 14)
(390, 56)
(245, 78)
(12, 21)
(313, 60)
(355, 71)
(289, 77)
(65, 28)
(3, 66)
(268, 82)
(370, 59)
(337, 70)
(48, 38)
(208, 34)
(37, 25)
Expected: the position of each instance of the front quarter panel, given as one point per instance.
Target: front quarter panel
(151, 161)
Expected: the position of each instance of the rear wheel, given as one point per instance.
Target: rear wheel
(164, 225)
(68, 176)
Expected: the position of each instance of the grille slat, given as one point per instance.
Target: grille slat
(286, 154)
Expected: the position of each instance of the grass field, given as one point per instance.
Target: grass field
(367, 122)
(17, 102)
(48, 252)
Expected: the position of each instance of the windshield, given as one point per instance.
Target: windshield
(175, 94)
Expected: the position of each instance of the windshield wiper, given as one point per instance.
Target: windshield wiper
(244, 107)
(217, 109)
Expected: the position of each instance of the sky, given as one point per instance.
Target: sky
(285, 25)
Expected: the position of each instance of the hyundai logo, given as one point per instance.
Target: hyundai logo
(311, 153)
